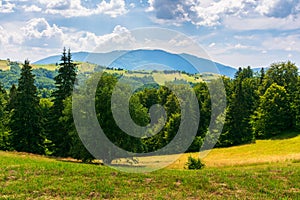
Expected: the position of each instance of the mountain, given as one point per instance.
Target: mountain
(148, 59)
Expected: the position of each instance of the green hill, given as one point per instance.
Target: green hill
(231, 173)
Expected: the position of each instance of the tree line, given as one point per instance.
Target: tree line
(259, 106)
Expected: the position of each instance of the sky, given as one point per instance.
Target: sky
(237, 33)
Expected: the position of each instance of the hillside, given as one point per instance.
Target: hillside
(150, 59)
(39, 177)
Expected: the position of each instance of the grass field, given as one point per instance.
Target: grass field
(269, 169)
(4, 65)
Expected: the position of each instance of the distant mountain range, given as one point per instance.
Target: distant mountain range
(148, 59)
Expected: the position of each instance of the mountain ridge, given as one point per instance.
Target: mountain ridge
(137, 59)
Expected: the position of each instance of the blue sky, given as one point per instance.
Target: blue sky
(235, 33)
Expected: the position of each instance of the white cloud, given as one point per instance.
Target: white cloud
(198, 12)
(240, 46)
(7, 7)
(56, 4)
(32, 8)
(120, 38)
(3, 37)
(132, 5)
(278, 8)
(74, 8)
(38, 33)
(262, 23)
(214, 12)
(284, 43)
(37, 39)
(9, 38)
(212, 45)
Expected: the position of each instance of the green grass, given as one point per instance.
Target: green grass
(26, 176)
(234, 174)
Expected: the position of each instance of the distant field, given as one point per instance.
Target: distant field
(50, 67)
(269, 169)
(83, 67)
(4, 65)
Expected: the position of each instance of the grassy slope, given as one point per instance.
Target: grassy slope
(26, 176)
(263, 151)
(29, 176)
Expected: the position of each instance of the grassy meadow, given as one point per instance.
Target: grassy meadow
(4, 65)
(268, 169)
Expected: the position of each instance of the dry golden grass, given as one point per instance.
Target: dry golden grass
(263, 151)
(50, 67)
(4, 65)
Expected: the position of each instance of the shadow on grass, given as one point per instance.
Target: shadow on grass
(286, 135)
(116, 165)
(127, 165)
(70, 160)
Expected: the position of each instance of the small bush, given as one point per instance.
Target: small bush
(194, 163)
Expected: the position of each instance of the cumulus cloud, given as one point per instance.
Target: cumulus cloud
(7, 7)
(200, 13)
(169, 10)
(76, 8)
(278, 8)
(213, 12)
(119, 39)
(38, 38)
(32, 8)
(9, 38)
(38, 33)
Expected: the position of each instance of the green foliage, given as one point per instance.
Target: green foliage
(43, 77)
(238, 129)
(194, 163)
(26, 128)
(105, 117)
(283, 74)
(258, 106)
(295, 105)
(4, 120)
(77, 150)
(12, 99)
(64, 82)
(273, 113)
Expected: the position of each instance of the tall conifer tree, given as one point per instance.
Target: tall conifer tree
(25, 124)
(64, 82)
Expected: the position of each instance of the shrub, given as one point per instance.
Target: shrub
(194, 163)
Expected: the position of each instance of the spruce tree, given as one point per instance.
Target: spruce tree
(4, 117)
(12, 98)
(64, 82)
(26, 129)
(237, 128)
